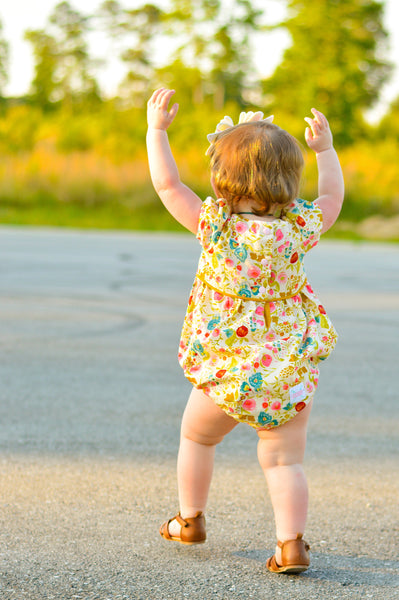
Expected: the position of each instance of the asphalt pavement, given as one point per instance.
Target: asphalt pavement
(91, 397)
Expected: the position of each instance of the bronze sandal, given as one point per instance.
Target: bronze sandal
(294, 557)
(192, 529)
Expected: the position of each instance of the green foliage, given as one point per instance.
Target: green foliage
(110, 130)
(215, 46)
(43, 84)
(332, 63)
(388, 129)
(143, 24)
(371, 179)
(4, 56)
(68, 156)
(19, 129)
(63, 65)
(76, 132)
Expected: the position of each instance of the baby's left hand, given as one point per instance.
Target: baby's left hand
(318, 135)
(158, 115)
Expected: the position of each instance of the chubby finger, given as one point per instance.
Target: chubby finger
(173, 110)
(308, 134)
(164, 100)
(155, 96)
(314, 126)
(320, 118)
(164, 97)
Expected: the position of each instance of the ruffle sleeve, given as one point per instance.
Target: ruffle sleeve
(307, 218)
(213, 216)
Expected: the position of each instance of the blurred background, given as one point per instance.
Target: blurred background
(75, 79)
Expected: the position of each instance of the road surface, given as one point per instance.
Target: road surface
(91, 397)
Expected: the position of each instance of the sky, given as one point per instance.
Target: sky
(19, 15)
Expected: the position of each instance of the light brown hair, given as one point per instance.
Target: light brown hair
(257, 162)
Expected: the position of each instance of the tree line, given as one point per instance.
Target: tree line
(335, 61)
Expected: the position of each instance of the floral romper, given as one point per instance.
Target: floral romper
(254, 330)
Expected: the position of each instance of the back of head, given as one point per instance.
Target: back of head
(256, 162)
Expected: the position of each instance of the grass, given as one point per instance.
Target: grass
(151, 217)
(84, 189)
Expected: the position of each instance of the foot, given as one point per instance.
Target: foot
(291, 556)
(174, 528)
(277, 555)
(186, 531)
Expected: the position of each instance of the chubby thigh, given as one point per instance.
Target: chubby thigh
(284, 445)
(206, 423)
(203, 421)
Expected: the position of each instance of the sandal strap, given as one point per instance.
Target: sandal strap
(164, 530)
(272, 564)
(298, 538)
(165, 527)
(180, 520)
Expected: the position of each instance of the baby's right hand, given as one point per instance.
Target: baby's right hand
(158, 115)
(318, 136)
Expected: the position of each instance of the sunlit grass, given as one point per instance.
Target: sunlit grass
(88, 189)
(104, 217)
(84, 178)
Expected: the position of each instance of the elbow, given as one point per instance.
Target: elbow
(168, 193)
(165, 185)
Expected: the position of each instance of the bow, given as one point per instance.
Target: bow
(245, 117)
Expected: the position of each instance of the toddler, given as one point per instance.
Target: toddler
(254, 331)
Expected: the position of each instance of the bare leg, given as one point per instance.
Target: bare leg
(280, 452)
(204, 425)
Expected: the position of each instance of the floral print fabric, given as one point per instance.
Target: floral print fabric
(254, 331)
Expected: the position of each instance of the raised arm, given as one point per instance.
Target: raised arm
(179, 200)
(331, 183)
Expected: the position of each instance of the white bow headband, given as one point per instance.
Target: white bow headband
(245, 117)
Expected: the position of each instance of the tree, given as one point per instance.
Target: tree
(3, 60)
(389, 125)
(215, 43)
(333, 63)
(189, 24)
(189, 81)
(133, 34)
(73, 75)
(232, 58)
(145, 24)
(44, 83)
(63, 65)
(210, 60)
(110, 17)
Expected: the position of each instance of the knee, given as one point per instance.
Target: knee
(270, 460)
(200, 437)
(273, 454)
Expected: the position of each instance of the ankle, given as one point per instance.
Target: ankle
(285, 537)
(191, 512)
